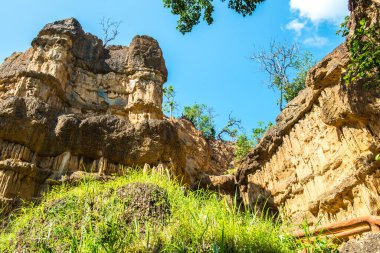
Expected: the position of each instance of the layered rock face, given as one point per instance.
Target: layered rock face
(71, 71)
(69, 104)
(318, 162)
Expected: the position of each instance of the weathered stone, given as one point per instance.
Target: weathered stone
(68, 104)
(318, 162)
(367, 243)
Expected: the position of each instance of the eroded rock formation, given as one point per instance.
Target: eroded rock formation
(68, 104)
(318, 162)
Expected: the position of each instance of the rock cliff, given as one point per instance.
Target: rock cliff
(68, 104)
(318, 162)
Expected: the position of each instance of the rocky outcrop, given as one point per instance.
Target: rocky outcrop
(71, 71)
(68, 104)
(369, 242)
(318, 162)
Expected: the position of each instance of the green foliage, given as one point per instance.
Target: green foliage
(243, 146)
(301, 66)
(169, 104)
(377, 158)
(318, 243)
(202, 117)
(364, 48)
(258, 132)
(343, 28)
(89, 218)
(286, 67)
(191, 11)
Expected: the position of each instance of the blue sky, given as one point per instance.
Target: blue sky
(209, 65)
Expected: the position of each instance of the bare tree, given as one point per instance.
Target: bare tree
(278, 62)
(231, 128)
(110, 30)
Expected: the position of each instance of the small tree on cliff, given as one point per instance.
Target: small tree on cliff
(169, 105)
(110, 30)
(258, 132)
(231, 129)
(281, 62)
(191, 11)
(244, 144)
(302, 65)
(202, 117)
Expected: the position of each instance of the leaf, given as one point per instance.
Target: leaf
(377, 158)
(215, 248)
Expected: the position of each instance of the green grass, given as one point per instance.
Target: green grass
(89, 218)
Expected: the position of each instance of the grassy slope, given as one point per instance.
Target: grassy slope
(87, 218)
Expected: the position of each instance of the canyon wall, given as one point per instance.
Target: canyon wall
(318, 162)
(69, 104)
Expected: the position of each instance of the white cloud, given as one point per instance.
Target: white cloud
(296, 26)
(321, 10)
(316, 41)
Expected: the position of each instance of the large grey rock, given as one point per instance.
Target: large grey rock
(368, 242)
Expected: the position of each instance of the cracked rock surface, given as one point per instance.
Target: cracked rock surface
(68, 104)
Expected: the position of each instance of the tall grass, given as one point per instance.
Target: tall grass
(89, 218)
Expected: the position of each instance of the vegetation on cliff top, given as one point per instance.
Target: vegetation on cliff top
(364, 48)
(191, 11)
(103, 217)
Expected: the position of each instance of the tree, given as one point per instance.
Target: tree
(302, 65)
(277, 62)
(169, 100)
(258, 132)
(190, 11)
(110, 30)
(231, 129)
(281, 62)
(202, 117)
(243, 146)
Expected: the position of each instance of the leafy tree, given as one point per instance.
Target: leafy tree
(202, 117)
(301, 66)
(169, 104)
(258, 132)
(243, 146)
(231, 129)
(191, 11)
(281, 62)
